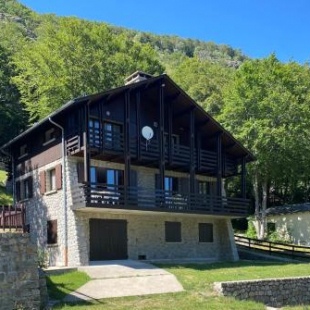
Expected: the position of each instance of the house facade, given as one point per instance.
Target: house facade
(290, 222)
(134, 172)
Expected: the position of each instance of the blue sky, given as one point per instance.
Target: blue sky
(257, 27)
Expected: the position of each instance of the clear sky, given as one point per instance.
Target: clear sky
(257, 27)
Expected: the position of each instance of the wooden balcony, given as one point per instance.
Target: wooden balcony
(107, 145)
(135, 198)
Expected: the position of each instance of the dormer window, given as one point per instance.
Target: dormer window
(23, 151)
(49, 136)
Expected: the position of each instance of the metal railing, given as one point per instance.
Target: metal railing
(137, 198)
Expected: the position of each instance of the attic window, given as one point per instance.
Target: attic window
(23, 151)
(49, 136)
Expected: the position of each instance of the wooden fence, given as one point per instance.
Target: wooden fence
(12, 218)
(273, 248)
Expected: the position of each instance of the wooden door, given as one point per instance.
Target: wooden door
(108, 239)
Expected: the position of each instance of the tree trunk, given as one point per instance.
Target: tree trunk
(257, 204)
(263, 211)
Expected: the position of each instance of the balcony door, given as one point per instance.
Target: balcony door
(112, 136)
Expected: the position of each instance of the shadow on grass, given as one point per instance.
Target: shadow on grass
(218, 265)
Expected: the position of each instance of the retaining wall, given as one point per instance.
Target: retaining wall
(19, 275)
(271, 292)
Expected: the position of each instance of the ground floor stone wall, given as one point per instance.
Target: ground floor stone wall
(21, 286)
(146, 236)
(271, 292)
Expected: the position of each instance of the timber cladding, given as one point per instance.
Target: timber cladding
(46, 157)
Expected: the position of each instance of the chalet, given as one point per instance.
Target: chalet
(133, 172)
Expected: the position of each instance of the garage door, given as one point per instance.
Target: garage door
(108, 239)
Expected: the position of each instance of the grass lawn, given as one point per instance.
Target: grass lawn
(197, 280)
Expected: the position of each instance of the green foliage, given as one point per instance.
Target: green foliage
(251, 231)
(74, 57)
(203, 81)
(267, 107)
(42, 258)
(5, 198)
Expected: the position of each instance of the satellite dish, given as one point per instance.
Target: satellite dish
(147, 133)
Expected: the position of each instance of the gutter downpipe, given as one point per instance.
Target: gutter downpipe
(64, 187)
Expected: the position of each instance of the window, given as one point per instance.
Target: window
(171, 184)
(271, 227)
(112, 135)
(51, 180)
(23, 150)
(94, 132)
(52, 232)
(24, 189)
(49, 136)
(205, 232)
(173, 231)
(175, 141)
(206, 188)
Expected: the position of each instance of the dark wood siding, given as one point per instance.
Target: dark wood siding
(108, 239)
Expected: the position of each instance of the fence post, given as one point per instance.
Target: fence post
(293, 251)
(2, 218)
(249, 243)
(269, 248)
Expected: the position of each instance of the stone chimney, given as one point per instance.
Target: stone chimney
(136, 77)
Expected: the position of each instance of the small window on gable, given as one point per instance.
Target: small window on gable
(49, 136)
(173, 232)
(24, 189)
(205, 232)
(52, 235)
(23, 150)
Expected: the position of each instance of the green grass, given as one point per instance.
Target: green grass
(197, 280)
(60, 285)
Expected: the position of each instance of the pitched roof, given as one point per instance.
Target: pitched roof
(289, 209)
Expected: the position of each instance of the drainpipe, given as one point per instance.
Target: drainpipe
(64, 187)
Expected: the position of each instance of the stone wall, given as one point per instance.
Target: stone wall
(146, 236)
(271, 292)
(19, 275)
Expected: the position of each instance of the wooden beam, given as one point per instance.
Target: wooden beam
(161, 137)
(243, 178)
(127, 156)
(219, 165)
(192, 151)
(86, 146)
(138, 124)
(184, 112)
(170, 129)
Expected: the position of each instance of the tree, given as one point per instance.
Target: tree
(267, 107)
(203, 81)
(13, 117)
(72, 57)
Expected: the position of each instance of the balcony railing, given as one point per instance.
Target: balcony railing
(112, 143)
(136, 198)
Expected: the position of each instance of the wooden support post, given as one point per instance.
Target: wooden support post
(161, 136)
(170, 131)
(198, 143)
(86, 146)
(127, 157)
(192, 151)
(219, 164)
(243, 178)
(138, 124)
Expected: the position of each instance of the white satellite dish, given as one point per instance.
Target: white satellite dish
(147, 133)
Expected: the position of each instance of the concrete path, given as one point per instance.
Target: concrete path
(124, 278)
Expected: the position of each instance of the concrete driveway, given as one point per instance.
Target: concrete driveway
(124, 278)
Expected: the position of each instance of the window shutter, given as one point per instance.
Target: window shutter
(58, 175)
(17, 188)
(30, 187)
(42, 182)
(80, 172)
